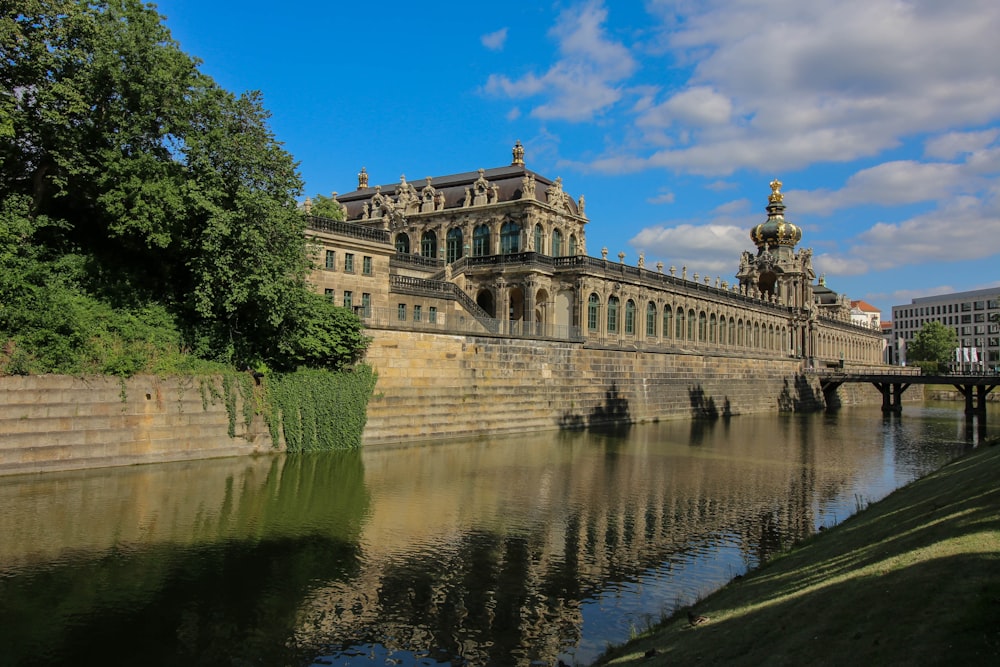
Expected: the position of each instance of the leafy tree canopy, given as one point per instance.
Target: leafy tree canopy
(326, 207)
(934, 342)
(129, 178)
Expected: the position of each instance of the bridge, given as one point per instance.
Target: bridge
(892, 382)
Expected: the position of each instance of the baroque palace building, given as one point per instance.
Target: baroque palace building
(503, 252)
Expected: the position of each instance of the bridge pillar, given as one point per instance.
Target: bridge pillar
(897, 397)
(886, 396)
(969, 394)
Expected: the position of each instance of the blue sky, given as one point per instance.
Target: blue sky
(881, 117)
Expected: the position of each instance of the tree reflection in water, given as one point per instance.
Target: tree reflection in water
(506, 551)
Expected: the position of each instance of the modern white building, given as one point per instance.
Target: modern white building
(970, 314)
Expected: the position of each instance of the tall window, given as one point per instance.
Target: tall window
(453, 244)
(331, 259)
(349, 262)
(651, 319)
(572, 245)
(432, 314)
(429, 245)
(366, 265)
(401, 312)
(593, 309)
(680, 324)
(538, 239)
(702, 328)
(691, 322)
(481, 241)
(668, 322)
(417, 313)
(557, 243)
(402, 244)
(510, 238)
(630, 317)
(613, 304)
(348, 299)
(329, 293)
(366, 303)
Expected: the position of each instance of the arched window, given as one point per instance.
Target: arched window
(557, 243)
(572, 245)
(702, 328)
(613, 303)
(713, 331)
(402, 244)
(691, 323)
(429, 244)
(680, 324)
(668, 322)
(651, 319)
(630, 317)
(538, 240)
(481, 241)
(453, 244)
(593, 310)
(732, 332)
(510, 238)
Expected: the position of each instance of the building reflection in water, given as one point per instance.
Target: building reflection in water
(496, 551)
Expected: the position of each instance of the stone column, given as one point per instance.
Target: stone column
(530, 287)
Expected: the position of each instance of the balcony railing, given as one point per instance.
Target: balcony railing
(350, 229)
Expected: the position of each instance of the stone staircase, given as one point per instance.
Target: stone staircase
(53, 422)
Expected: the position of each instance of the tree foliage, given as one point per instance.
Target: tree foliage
(132, 184)
(326, 207)
(933, 343)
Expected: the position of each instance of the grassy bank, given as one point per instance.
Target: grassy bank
(913, 579)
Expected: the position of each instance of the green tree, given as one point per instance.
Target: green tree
(120, 159)
(934, 343)
(326, 207)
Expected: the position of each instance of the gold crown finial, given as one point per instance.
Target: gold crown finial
(776, 197)
(518, 154)
(362, 179)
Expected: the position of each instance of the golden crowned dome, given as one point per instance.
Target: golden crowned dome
(776, 231)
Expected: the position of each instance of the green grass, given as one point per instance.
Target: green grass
(913, 579)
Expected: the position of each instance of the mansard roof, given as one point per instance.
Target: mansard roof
(509, 181)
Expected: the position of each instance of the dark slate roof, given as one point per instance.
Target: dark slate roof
(508, 180)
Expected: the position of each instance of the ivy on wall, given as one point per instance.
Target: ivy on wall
(318, 410)
(311, 410)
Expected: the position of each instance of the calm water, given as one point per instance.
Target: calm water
(504, 551)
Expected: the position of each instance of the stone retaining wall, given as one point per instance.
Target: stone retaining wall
(436, 386)
(430, 386)
(55, 422)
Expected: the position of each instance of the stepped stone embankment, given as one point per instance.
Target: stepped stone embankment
(57, 422)
(430, 386)
(437, 386)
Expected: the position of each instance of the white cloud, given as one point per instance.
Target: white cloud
(781, 84)
(585, 80)
(513, 114)
(662, 198)
(700, 105)
(965, 228)
(953, 144)
(706, 249)
(494, 41)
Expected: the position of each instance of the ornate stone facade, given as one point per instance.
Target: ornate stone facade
(502, 251)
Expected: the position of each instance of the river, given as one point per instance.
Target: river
(519, 550)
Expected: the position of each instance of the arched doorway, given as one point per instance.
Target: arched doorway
(485, 300)
(541, 314)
